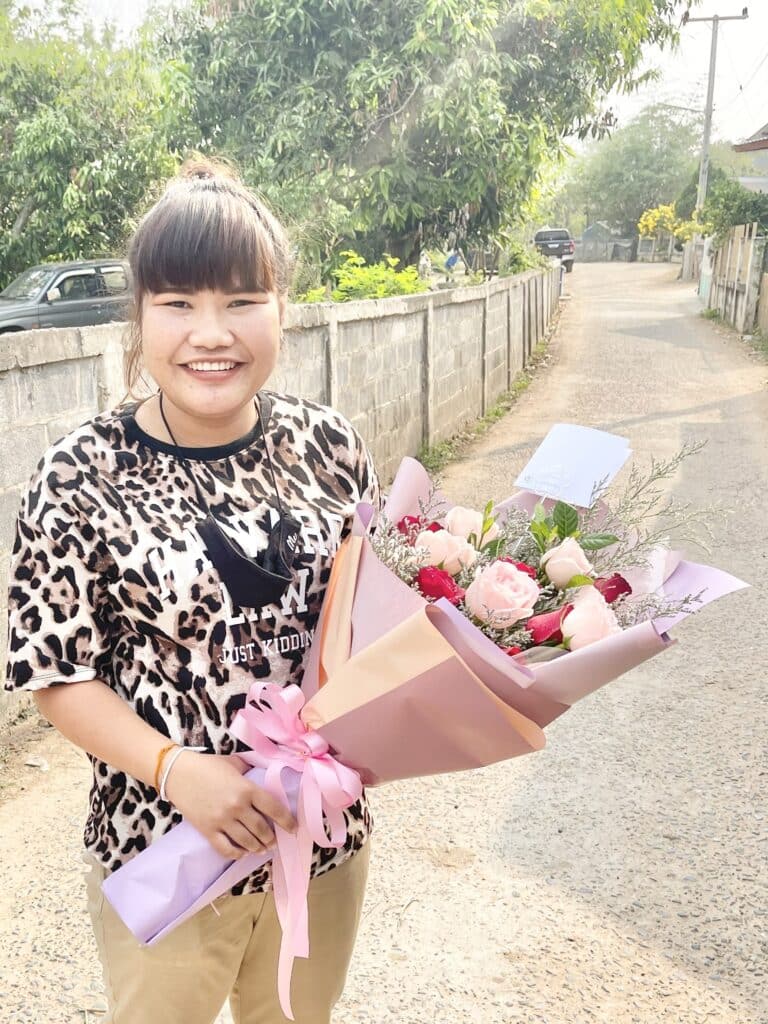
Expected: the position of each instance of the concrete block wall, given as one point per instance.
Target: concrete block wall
(406, 371)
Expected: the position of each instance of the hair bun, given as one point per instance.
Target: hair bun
(200, 168)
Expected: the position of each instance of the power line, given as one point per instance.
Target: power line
(701, 193)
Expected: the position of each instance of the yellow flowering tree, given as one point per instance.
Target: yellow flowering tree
(663, 220)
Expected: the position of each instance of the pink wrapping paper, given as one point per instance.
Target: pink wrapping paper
(399, 687)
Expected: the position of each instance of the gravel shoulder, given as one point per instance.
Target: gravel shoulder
(617, 877)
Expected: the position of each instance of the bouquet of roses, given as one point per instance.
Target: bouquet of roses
(538, 582)
(448, 639)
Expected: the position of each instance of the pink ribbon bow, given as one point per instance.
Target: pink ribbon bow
(270, 724)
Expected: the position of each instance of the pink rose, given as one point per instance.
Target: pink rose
(565, 561)
(436, 583)
(501, 594)
(450, 553)
(463, 522)
(589, 621)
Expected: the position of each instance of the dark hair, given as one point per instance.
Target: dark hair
(208, 230)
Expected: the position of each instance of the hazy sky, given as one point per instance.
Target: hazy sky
(741, 91)
(741, 82)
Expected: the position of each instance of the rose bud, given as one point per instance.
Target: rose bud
(565, 561)
(449, 552)
(437, 583)
(546, 628)
(589, 620)
(463, 522)
(613, 587)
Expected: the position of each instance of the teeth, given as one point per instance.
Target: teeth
(211, 366)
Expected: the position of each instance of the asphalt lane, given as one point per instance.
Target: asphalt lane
(630, 855)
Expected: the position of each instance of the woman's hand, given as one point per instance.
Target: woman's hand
(229, 810)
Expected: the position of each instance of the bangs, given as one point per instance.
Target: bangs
(205, 236)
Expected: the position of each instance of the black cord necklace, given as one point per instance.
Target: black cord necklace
(251, 582)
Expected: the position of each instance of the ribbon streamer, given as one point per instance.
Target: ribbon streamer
(271, 726)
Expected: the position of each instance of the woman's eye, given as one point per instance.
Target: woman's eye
(242, 302)
(177, 303)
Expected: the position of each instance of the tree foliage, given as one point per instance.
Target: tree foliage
(84, 137)
(729, 203)
(371, 123)
(642, 166)
(402, 122)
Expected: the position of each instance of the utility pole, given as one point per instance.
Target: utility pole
(701, 194)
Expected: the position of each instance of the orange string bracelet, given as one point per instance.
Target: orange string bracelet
(159, 765)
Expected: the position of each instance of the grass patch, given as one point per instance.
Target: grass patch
(436, 457)
(759, 342)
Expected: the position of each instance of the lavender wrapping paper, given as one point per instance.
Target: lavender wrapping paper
(180, 873)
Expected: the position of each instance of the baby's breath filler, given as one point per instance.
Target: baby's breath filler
(567, 551)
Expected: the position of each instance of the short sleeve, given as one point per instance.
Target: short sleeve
(57, 612)
(367, 477)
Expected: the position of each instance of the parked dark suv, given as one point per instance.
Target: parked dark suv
(556, 242)
(66, 295)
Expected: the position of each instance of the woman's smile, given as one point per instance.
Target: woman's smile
(205, 370)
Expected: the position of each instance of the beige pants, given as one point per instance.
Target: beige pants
(187, 976)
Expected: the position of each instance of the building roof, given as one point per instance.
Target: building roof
(757, 141)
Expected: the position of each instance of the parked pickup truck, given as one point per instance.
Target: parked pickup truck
(66, 295)
(556, 242)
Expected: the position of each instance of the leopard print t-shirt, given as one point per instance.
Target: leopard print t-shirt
(110, 580)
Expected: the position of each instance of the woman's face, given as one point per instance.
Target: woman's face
(209, 353)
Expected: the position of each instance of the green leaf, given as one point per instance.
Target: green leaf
(539, 514)
(596, 541)
(579, 581)
(566, 519)
(541, 534)
(494, 548)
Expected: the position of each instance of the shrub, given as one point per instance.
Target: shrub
(357, 279)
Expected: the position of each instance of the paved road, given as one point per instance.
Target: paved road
(618, 877)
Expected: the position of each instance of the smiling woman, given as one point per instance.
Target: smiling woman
(211, 268)
(152, 543)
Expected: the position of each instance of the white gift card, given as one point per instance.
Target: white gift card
(572, 463)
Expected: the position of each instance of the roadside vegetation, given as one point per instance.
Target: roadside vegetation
(372, 127)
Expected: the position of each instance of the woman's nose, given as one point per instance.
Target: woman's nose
(210, 331)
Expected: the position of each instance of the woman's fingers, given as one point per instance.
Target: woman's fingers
(256, 830)
(269, 805)
(223, 845)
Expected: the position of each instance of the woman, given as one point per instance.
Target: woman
(167, 554)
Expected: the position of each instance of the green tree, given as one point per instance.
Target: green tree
(729, 203)
(392, 124)
(642, 165)
(84, 137)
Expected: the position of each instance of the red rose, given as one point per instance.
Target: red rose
(546, 628)
(511, 651)
(522, 566)
(613, 587)
(437, 583)
(409, 526)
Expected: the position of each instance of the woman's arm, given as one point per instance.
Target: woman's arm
(208, 789)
